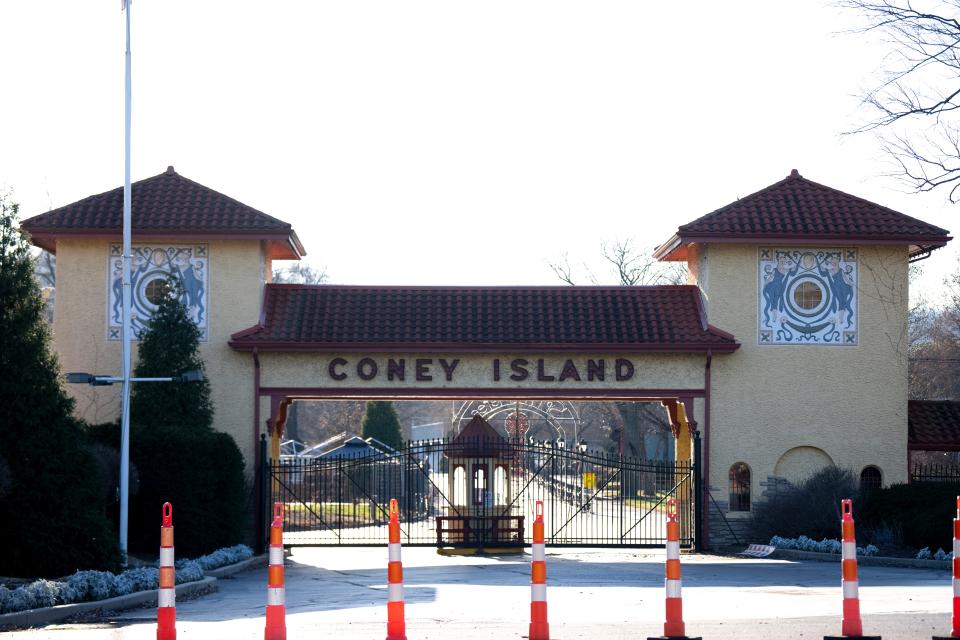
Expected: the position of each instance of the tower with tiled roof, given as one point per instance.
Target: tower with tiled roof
(218, 248)
(814, 283)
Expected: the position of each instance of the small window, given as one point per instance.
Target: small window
(459, 485)
(480, 484)
(871, 478)
(499, 485)
(156, 289)
(740, 487)
(807, 295)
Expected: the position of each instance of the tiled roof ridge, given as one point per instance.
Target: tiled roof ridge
(441, 287)
(724, 208)
(280, 222)
(41, 218)
(320, 317)
(795, 176)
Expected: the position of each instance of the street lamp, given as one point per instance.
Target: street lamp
(194, 375)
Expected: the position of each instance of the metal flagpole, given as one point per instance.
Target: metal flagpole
(127, 329)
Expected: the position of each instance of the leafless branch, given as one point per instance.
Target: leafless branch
(914, 101)
(630, 267)
(301, 273)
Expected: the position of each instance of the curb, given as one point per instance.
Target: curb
(878, 561)
(243, 565)
(46, 615)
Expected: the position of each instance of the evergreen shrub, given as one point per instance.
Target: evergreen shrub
(923, 512)
(380, 421)
(201, 473)
(811, 508)
(51, 506)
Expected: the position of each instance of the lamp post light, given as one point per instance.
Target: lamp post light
(193, 375)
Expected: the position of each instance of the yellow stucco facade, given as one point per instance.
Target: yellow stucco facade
(788, 409)
(237, 271)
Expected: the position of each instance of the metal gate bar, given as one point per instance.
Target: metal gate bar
(479, 494)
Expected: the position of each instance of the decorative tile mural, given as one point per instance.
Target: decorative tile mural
(808, 296)
(152, 266)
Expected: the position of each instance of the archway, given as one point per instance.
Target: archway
(795, 464)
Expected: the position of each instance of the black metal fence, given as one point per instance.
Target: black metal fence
(481, 493)
(935, 472)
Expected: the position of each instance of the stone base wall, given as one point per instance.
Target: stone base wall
(728, 530)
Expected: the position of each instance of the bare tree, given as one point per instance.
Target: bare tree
(45, 268)
(911, 107)
(935, 346)
(45, 271)
(631, 422)
(625, 264)
(300, 273)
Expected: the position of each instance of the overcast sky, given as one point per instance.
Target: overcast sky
(448, 142)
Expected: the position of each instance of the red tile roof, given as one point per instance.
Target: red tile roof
(330, 318)
(933, 425)
(804, 212)
(166, 205)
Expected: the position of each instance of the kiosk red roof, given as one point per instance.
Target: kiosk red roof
(800, 211)
(166, 205)
(523, 319)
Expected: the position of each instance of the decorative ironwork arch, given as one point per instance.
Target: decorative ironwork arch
(561, 415)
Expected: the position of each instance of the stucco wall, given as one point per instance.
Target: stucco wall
(80, 329)
(849, 401)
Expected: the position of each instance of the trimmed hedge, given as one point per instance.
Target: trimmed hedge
(923, 512)
(201, 473)
(87, 586)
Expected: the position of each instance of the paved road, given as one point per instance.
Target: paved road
(340, 593)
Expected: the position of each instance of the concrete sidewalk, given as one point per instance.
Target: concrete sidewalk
(602, 593)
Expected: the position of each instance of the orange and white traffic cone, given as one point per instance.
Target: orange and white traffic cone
(851, 627)
(396, 623)
(167, 593)
(955, 631)
(276, 628)
(673, 628)
(539, 627)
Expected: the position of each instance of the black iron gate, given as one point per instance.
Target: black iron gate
(481, 494)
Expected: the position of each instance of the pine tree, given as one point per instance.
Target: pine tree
(169, 347)
(178, 455)
(381, 421)
(52, 506)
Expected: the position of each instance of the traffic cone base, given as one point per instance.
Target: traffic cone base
(396, 618)
(539, 626)
(166, 592)
(674, 627)
(276, 612)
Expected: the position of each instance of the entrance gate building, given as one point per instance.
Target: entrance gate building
(644, 344)
(811, 280)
